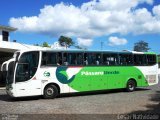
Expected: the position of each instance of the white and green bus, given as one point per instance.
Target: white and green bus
(52, 72)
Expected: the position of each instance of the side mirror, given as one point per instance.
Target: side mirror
(16, 58)
(17, 55)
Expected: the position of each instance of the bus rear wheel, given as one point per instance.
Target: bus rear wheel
(131, 86)
(50, 92)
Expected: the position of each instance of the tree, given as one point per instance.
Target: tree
(65, 41)
(36, 44)
(45, 44)
(141, 46)
(79, 47)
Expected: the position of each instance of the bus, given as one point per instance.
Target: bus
(52, 72)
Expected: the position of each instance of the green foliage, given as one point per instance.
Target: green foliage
(65, 41)
(36, 45)
(79, 47)
(159, 58)
(158, 61)
(141, 46)
(45, 44)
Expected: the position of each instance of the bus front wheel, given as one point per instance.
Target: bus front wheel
(50, 92)
(131, 85)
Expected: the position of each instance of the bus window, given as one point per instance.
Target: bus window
(106, 59)
(65, 61)
(113, 59)
(59, 58)
(72, 60)
(140, 60)
(110, 59)
(98, 59)
(85, 59)
(27, 66)
(151, 59)
(91, 59)
(126, 59)
(49, 59)
(79, 58)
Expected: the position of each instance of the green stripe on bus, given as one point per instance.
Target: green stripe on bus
(98, 78)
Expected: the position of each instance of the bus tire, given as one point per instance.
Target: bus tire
(131, 86)
(50, 92)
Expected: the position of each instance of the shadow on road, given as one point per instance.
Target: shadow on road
(5, 97)
(152, 109)
(99, 92)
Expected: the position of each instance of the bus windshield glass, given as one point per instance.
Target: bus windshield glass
(27, 66)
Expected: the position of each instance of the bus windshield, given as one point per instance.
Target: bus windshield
(27, 66)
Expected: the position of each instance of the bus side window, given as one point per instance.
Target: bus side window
(136, 60)
(126, 59)
(110, 59)
(65, 61)
(79, 58)
(59, 58)
(98, 59)
(113, 59)
(140, 60)
(151, 59)
(85, 59)
(91, 59)
(72, 60)
(51, 59)
(44, 59)
(106, 59)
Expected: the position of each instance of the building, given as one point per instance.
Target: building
(8, 47)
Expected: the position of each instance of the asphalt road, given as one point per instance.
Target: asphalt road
(114, 102)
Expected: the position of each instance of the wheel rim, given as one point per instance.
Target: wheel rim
(131, 86)
(50, 91)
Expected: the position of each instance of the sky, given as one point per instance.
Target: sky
(93, 24)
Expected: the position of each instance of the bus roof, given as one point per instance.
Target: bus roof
(78, 50)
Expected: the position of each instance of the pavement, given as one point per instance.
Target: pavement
(116, 104)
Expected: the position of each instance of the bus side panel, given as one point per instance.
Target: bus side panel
(73, 79)
(48, 76)
(99, 78)
(150, 73)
